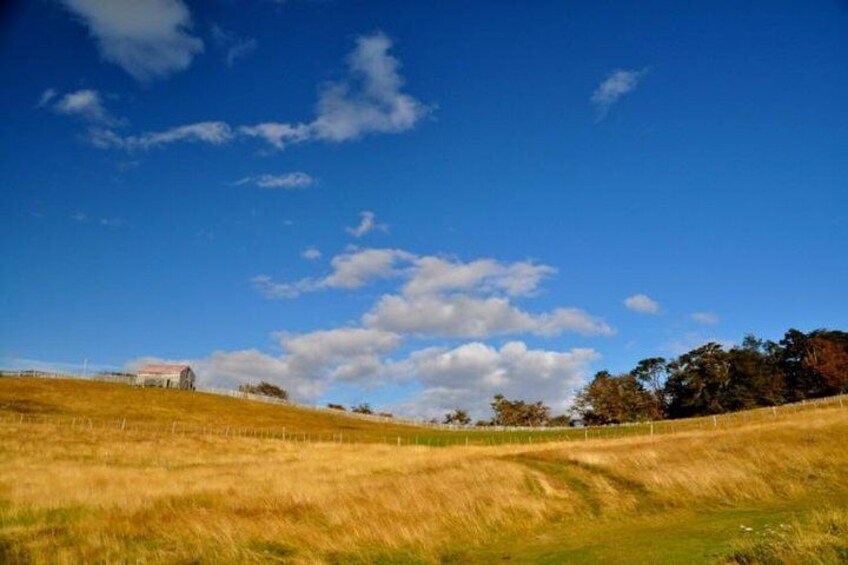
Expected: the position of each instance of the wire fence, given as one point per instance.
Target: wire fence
(413, 432)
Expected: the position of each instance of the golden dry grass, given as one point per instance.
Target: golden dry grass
(72, 495)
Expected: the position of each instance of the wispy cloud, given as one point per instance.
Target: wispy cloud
(233, 46)
(367, 224)
(285, 181)
(213, 133)
(614, 87)
(370, 100)
(148, 39)
(112, 222)
(706, 318)
(642, 303)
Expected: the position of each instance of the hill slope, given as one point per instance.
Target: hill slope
(106, 494)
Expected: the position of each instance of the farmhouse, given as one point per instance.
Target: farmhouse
(166, 376)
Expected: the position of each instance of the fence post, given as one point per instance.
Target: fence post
(124, 424)
(652, 429)
(174, 427)
(774, 411)
(586, 434)
(398, 441)
(715, 421)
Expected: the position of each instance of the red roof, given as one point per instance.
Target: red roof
(163, 368)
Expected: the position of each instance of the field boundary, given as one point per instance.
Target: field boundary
(447, 434)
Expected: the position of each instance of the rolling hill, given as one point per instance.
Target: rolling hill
(92, 472)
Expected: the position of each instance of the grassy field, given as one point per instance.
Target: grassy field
(758, 489)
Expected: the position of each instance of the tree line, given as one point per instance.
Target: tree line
(709, 379)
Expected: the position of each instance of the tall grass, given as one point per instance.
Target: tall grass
(80, 494)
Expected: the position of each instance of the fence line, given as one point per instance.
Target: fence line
(438, 435)
(716, 421)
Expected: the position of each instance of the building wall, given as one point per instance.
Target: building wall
(183, 380)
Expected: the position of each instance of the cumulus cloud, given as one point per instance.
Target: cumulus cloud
(285, 181)
(367, 224)
(148, 39)
(616, 85)
(443, 297)
(427, 275)
(361, 266)
(309, 364)
(352, 269)
(432, 275)
(706, 318)
(472, 317)
(371, 99)
(642, 303)
(469, 375)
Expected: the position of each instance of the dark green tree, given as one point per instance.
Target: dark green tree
(518, 413)
(458, 416)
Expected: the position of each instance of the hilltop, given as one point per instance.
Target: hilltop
(763, 489)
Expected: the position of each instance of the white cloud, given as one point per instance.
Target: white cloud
(147, 38)
(277, 134)
(432, 275)
(642, 303)
(85, 104)
(367, 224)
(617, 84)
(443, 297)
(352, 269)
(371, 99)
(472, 317)
(309, 364)
(286, 180)
(311, 253)
(79, 217)
(368, 101)
(359, 267)
(469, 376)
(706, 318)
(214, 133)
(466, 376)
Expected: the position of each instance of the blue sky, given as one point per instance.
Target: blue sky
(413, 205)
